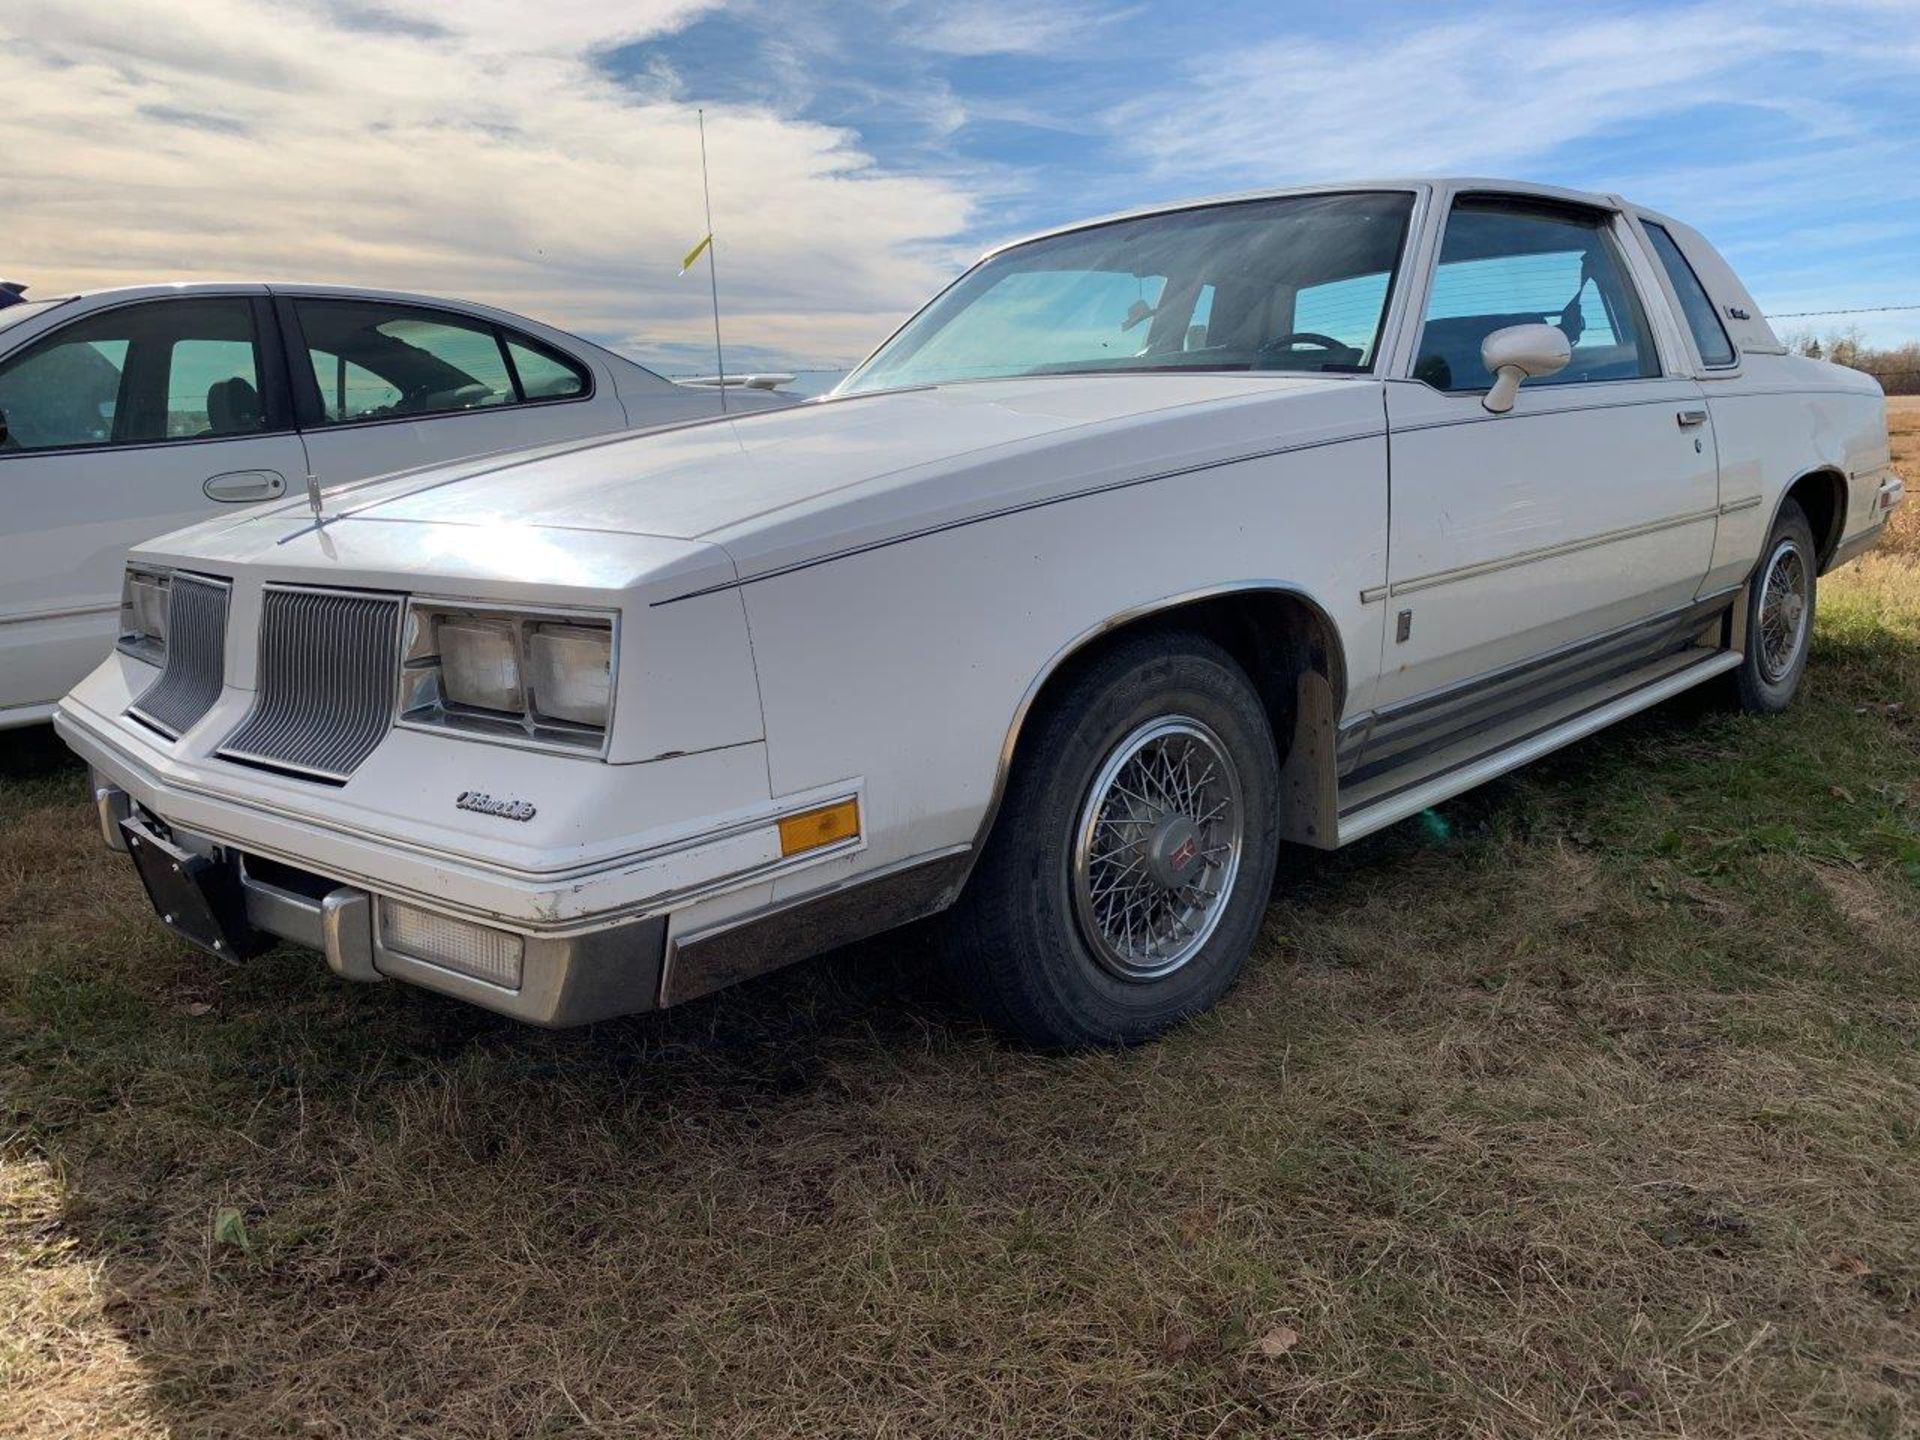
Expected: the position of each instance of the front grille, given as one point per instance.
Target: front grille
(195, 669)
(327, 664)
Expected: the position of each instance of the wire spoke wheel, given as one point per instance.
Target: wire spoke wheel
(1157, 848)
(1784, 611)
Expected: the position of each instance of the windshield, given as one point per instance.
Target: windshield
(1296, 284)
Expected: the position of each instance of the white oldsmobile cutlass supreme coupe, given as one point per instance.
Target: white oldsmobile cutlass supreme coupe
(1150, 544)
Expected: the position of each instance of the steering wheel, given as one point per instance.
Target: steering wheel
(1286, 342)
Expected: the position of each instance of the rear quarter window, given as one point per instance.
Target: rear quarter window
(376, 360)
(1696, 306)
(543, 375)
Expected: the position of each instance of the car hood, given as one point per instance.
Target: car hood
(773, 488)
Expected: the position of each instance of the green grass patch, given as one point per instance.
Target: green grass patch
(1586, 1105)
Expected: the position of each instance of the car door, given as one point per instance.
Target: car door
(123, 424)
(1586, 510)
(385, 385)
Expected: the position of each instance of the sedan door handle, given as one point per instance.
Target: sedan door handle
(238, 486)
(1689, 418)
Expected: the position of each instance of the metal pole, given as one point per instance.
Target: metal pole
(713, 275)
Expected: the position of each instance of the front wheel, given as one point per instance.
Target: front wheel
(1780, 604)
(1127, 875)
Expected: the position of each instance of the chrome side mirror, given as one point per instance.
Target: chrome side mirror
(1521, 352)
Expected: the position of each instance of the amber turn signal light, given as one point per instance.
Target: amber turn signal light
(811, 829)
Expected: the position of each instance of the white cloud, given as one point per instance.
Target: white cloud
(479, 149)
(471, 150)
(995, 27)
(1495, 91)
(1483, 93)
(513, 27)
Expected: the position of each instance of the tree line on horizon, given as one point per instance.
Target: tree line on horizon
(1897, 369)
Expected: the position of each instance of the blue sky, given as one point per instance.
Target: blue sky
(544, 157)
(1788, 132)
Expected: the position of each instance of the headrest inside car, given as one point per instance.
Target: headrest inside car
(233, 406)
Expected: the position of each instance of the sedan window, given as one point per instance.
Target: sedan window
(170, 370)
(62, 393)
(1508, 263)
(544, 375)
(373, 361)
(211, 388)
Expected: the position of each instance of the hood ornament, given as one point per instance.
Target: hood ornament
(313, 496)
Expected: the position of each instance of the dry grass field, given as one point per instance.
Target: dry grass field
(1589, 1105)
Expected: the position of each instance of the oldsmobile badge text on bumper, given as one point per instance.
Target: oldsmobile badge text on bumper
(482, 803)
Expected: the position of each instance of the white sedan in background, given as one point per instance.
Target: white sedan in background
(127, 413)
(1148, 545)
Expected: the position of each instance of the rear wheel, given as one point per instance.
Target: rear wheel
(1780, 605)
(1126, 877)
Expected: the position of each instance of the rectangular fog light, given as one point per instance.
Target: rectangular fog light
(476, 951)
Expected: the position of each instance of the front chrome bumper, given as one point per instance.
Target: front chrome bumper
(705, 896)
(562, 981)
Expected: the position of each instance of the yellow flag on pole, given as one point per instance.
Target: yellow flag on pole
(696, 252)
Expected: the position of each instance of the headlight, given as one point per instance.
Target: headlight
(143, 613)
(522, 677)
(570, 672)
(480, 663)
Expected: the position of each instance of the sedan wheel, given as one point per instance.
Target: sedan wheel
(1157, 849)
(1780, 605)
(1129, 869)
(1785, 607)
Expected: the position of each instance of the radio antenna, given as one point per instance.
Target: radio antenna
(713, 276)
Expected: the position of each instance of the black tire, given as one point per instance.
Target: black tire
(1018, 945)
(1770, 674)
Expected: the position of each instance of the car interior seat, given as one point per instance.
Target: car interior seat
(233, 407)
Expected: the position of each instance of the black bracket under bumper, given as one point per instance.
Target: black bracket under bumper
(197, 897)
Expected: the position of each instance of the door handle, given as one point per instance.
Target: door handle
(237, 486)
(1689, 418)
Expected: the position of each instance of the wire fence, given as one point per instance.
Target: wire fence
(1897, 368)
(1856, 310)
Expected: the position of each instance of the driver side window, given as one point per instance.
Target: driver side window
(1505, 264)
(136, 375)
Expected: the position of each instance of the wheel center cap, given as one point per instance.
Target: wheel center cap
(1791, 607)
(1173, 852)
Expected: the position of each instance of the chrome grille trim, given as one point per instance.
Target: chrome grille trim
(195, 669)
(327, 665)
